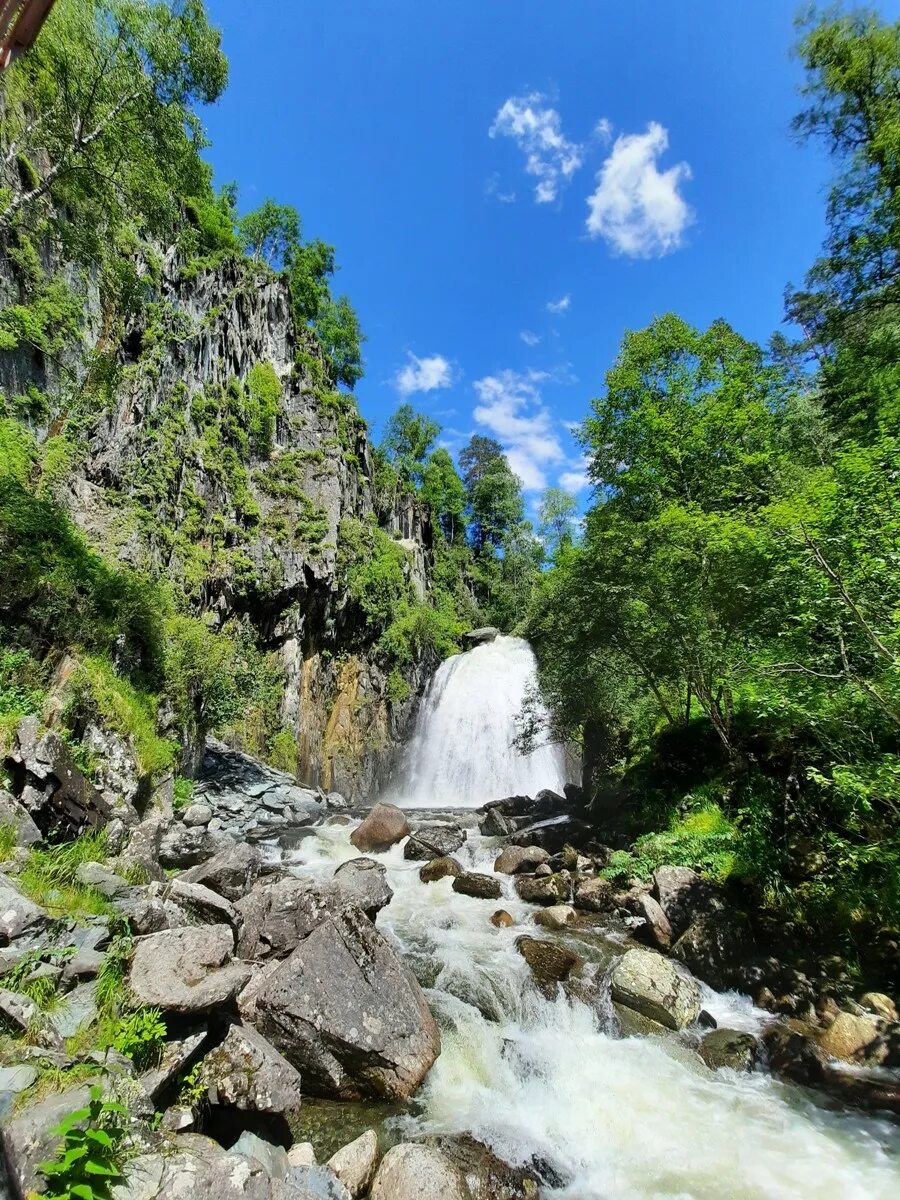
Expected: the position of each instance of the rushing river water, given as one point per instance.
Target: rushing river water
(550, 1082)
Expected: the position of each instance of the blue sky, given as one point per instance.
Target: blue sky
(511, 184)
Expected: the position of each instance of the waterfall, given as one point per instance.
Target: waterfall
(463, 750)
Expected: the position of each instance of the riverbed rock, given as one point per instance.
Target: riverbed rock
(382, 828)
(439, 868)
(880, 1004)
(850, 1038)
(349, 1014)
(656, 928)
(232, 872)
(101, 878)
(549, 889)
(415, 1171)
(487, 1176)
(594, 895)
(279, 913)
(355, 1164)
(514, 859)
(652, 985)
(246, 1072)
(557, 916)
(187, 970)
(190, 1168)
(474, 883)
(186, 845)
(436, 841)
(363, 882)
(714, 947)
(197, 814)
(501, 919)
(14, 814)
(729, 1048)
(683, 896)
(19, 916)
(496, 824)
(550, 962)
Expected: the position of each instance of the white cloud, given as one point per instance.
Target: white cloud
(636, 207)
(511, 408)
(537, 130)
(529, 338)
(603, 130)
(576, 478)
(559, 306)
(492, 188)
(423, 375)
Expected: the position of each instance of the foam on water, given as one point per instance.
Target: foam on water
(609, 1118)
(463, 750)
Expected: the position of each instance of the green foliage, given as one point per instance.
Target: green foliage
(408, 439)
(557, 514)
(270, 233)
(263, 396)
(110, 988)
(182, 793)
(373, 570)
(337, 328)
(140, 1036)
(281, 751)
(443, 491)
(88, 1163)
(421, 629)
(99, 691)
(705, 840)
(49, 877)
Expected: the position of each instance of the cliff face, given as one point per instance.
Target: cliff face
(206, 443)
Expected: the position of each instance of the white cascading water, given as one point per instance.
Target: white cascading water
(463, 750)
(548, 1082)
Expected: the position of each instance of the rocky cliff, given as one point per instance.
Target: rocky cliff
(204, 441)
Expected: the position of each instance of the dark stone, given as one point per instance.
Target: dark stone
(50, 786)
(439, 841)
(550, 962)
(714, 948)
(473, 883)
(439, 868)
(729, 1048)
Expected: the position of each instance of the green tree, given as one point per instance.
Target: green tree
(443, 491)
(493, 492)
(270, 233)
(337, 327)
(408, 439)
(557, 513)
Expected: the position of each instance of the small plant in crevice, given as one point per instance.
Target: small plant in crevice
(91, 1155)
(140, 1036)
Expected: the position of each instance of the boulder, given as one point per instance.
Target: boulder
(197, 814)
(12, 813)
(355, 1164)
(18, 1010)
(144, 846)
(383, 827)
(415, 1171)
(50, 786)
(850, 1038)
(656, 927)
(487, 1176)
(729, 1048)
(244, 1071)
(363, 882)
(683, 895)
(272, 1158)
(501, 919)
(793, 1054)
(19, 916)
(439, 868)
(880, 1004)
(349, 1014)
(311, 1183)
(201, 905)
(232, 872)
(278, 914)
(486, 633)
(77, 1009)
(194, 1166)
(437, 841)
(549, 889)
(557, 916)
(473, 883)
(496, 824)
(715, 947)
(302, 1154)
(514, 859)
(186, 970)
(653, 986)
(30, 1135)
(594, 895)
(101, 879)
(186, 845)
(174, 1060)
(550, 962)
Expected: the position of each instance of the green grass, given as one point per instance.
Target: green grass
(704, 839)
(49, 878)
(8, 840)
(128, 710)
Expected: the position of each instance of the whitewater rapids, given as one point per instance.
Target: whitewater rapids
(463, 750)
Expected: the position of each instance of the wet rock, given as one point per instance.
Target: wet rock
(514, 859)
(487, 1176)
(439, 868)
(557, 916)
(438, 841)
(363, 882)
(793, 1054)
(312, 1183)
(550, 962)
(232, 872)
(851, 1038)
(101, 878)
(383, 827)
(355, 1164)
(487, 633)
(474, 883)
(349, 1014)
(683, 896)
(186, 970)
(653, 986)
(880, 1004)
(496, 824)
(594, 895)
(551, 889)
(729, 1048)
(19, 916)
(501, 919)
(197, 814)
(415, 1171)
(278, 914)
(244, 1071)
(12, 813)
(715, 947)
(185, 846)
(656, 928)
(631, 1023)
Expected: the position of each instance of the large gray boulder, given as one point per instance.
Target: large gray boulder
(188, 845)
(656, 924)
(278, 914)
(232, 872)
(654, 987)
(349, 1014)
(187, 970)
(12, 813)
(19, 916)
(244, 1071)
(192, 1167)
(201, 905)
(416, 1171)
(435, 841)
(514, 859)
(383, 827)
(363, 882)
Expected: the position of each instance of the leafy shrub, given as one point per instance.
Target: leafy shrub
(140, 1037)
(89, 1160)
(182, 792)
(125, 708)
(282, 751)
(705, 840)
